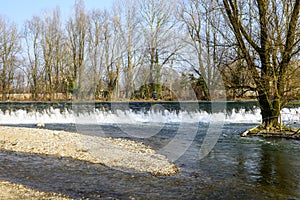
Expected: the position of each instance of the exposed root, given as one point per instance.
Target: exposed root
(283, 132)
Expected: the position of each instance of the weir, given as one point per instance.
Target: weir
(135, 112)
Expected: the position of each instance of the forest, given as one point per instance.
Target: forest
(155, 50)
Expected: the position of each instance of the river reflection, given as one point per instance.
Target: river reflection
(279, 169)
(271, 167)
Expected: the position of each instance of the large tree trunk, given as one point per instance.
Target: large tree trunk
(270, 112)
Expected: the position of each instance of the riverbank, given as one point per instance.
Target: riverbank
(115, 153)
(11, 191)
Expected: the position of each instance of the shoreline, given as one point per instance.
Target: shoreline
(121, 154)
(12, 191)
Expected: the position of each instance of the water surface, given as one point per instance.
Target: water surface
(236, 168)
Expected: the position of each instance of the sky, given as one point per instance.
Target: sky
(19, 11)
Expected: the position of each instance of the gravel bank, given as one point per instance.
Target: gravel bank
(11, 191)
(117, 153)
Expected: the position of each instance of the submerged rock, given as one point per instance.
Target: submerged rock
(41, 125)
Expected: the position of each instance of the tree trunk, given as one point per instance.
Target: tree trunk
(3, 83)
(151, 79)
(270, 112)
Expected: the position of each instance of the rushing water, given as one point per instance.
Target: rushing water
(236, 168)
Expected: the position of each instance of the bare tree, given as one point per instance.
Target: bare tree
(9, 49)
(268, 39)
(95, 50)
(112, 56)
(77, 35)
(104, 53)
(157, 26)
(127, 21)
(32, 35)
(201, 22)
(51, 42)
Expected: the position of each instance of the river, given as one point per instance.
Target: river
(202, 139)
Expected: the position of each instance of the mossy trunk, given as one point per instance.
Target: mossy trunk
(270, 112)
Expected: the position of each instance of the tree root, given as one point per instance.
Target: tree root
(284, 132)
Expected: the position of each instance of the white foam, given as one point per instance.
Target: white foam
(291, 115)
(24, 117)
(99, 116)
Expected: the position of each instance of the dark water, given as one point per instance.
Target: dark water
(236, 168)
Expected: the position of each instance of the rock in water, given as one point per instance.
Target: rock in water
(41, 125)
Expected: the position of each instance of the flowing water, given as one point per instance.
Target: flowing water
(235, 168)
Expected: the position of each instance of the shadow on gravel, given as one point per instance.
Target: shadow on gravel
(79, 179)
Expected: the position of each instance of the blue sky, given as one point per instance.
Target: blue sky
(21, 10)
